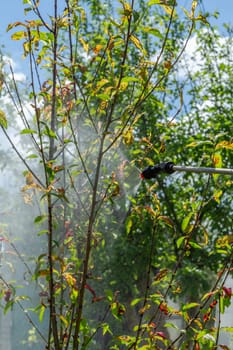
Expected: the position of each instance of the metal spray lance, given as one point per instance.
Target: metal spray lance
(169, 167)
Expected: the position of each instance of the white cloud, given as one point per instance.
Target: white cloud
(192, 60)
(11, 66)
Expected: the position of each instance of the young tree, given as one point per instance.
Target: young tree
(102, 101)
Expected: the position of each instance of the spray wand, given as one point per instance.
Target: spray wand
(169, 167)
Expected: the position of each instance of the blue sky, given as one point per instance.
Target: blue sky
(12, 11)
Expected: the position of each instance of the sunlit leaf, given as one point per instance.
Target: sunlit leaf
(85, 44)
(18, 35)
(153, 2)
(225, 144)
(128, 137)
(217, 195)
(137, 43)
(217, 160)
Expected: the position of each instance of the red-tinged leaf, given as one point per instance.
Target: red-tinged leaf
(161, 334)
(167, 220)
(224, 347)
(43, 273)
(197, 346)
(227, 292)
(161, 275)
(87, 286)
(71, 281)
(97, 299)
(15, 24)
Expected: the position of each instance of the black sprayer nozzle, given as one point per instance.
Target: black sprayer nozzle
(151, 171)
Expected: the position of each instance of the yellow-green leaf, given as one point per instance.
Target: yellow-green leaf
(3, 120)
(18, 35)
(217, 160)
(190, 306)
(128, 137)
(137, 43)
(194, 5)
(84, 44)
(168, 9)
(64, 320)
(217, 195)
(224, 144)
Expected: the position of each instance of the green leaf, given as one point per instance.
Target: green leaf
(129, 79)
(39, 219)
(128, 224)
(42, 232)
(8, 306)
(190, 306)
(227, 329)
(50, 133)
(180, 241)
(28, 131)
(109, 294)
(170, 325)
(106, 328)
(152, 31)
(194, 245)
(154, 2)
(41, 314)
(32, 156)
(221, 305)
(186, 221)
(136, 301)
